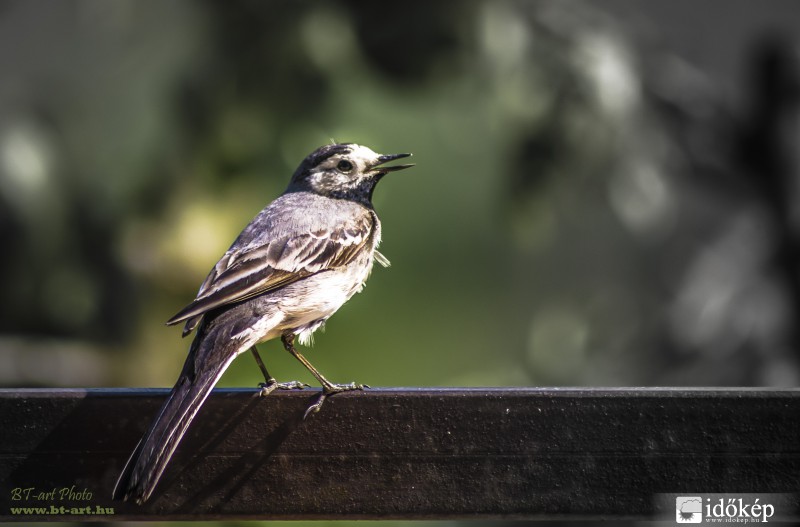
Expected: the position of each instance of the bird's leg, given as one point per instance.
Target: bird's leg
(328, 388)
(270, 384)
(267, 377)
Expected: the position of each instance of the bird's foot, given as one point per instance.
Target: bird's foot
(331, 389)
(272, 385)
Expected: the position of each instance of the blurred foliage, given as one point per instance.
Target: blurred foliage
(586, 210)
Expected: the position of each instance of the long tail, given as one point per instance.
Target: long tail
(209, 357)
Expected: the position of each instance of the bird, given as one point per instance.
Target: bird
(292, 267)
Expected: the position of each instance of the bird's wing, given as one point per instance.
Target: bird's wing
(254, 270)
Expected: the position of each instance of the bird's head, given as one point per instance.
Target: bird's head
(344, 171)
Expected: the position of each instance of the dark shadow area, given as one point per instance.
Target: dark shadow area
(214, 496)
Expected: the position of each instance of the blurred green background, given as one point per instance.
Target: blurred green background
(602, 196)
(604, 193)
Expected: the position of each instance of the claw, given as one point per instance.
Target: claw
(331, 389)
(314, 408)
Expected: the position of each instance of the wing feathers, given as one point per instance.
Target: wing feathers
(252, 271)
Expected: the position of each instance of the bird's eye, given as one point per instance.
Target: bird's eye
(345, 165)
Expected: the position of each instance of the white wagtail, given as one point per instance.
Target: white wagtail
(291, 268)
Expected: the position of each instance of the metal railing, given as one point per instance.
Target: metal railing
(404, 453)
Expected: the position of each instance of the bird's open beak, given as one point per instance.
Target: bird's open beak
(378, 167)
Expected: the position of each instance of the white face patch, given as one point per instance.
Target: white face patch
(361, 157)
